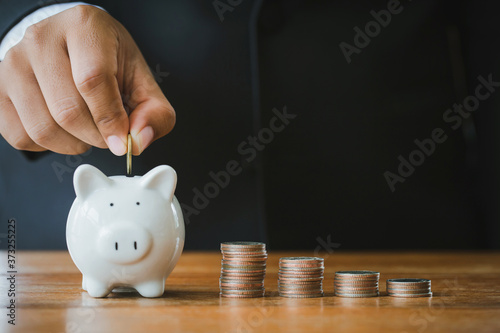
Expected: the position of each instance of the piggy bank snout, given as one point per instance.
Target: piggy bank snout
(124, 243)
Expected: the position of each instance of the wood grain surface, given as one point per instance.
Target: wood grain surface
(466, 289)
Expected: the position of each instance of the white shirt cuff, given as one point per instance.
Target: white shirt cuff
(16, 34)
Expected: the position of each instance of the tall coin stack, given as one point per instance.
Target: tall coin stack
(409, 288)
(301, 277)
(356, 283)
(243, 269)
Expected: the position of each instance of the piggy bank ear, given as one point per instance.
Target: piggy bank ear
(88, 179)
(163, 179)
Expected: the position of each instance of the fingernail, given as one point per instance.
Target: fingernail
(116, 145)
(145, 138)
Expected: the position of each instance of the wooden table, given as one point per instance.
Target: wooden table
(466, 298)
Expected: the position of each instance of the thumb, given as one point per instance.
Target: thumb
(152, 116)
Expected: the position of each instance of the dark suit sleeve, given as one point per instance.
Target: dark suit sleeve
(13, 11)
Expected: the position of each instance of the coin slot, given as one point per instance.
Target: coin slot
(135, 245)
(116, 246)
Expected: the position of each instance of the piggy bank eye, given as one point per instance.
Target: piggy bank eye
(137, 203)
(111, 204)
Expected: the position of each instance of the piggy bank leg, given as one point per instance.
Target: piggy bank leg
(84, 286)
(97, 288)
(152, 288)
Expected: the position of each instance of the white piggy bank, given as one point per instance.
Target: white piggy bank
(125, 231)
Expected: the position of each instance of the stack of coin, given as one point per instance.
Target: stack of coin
(356, 283)
(243, 269)
(301, 277)
(409, 288)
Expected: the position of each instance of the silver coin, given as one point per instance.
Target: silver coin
(302, 296)
(429, 294)
(300, 259)
(360, 272)
(409, 281)
(356, 295)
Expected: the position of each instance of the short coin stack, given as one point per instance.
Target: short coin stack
(356, 283)
(243, 269)
(301, 277)
(409, 288)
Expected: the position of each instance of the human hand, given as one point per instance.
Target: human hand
(61, 87)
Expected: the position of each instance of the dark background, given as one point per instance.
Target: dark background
(322, 178)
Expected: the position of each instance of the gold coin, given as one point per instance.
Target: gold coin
(129, 155)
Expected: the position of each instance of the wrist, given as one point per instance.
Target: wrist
(16, 34)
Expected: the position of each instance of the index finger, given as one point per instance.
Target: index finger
(94, 68)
